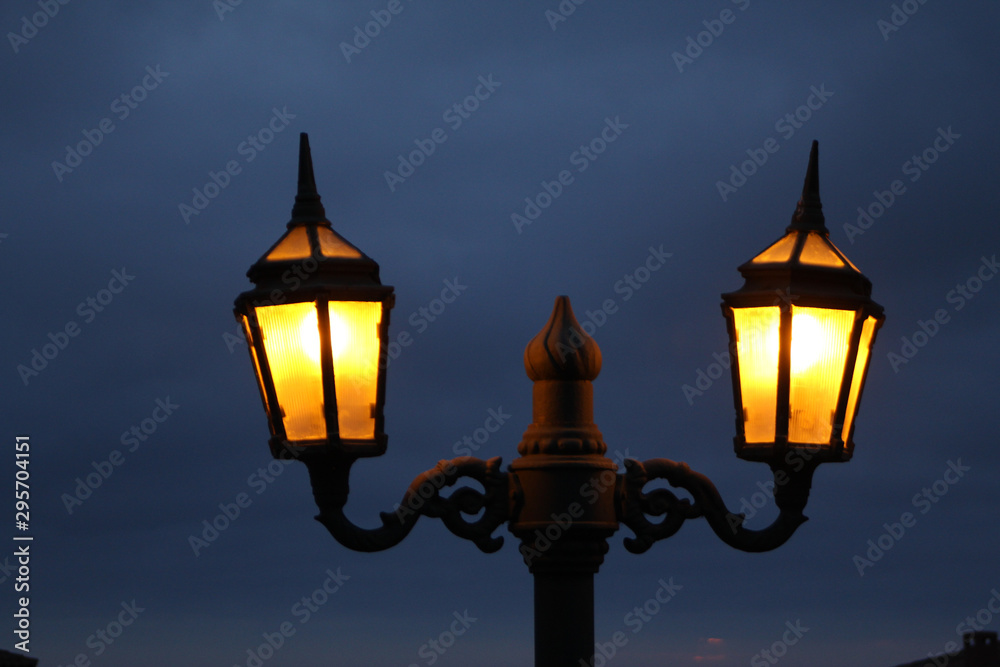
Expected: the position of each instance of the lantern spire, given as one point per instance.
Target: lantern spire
(809, 212)
(308, 208)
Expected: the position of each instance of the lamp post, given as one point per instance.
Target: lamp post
(801, 331)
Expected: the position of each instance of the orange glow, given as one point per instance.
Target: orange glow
(820, 338)
(295, 245)
(354, 339)
(780, 251)
(292, 350)
(864, 349)
(816, 251)
(757, 351)
(819, 351)
(309, 335)
(293, 345)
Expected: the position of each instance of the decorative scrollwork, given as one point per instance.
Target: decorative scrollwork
(791, 493)
(329, 475)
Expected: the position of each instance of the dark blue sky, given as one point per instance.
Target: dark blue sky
(122, 119)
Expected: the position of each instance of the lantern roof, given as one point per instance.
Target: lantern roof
(804, 261)
(310, 252)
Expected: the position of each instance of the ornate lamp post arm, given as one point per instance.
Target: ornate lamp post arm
(329, 475)
(791, 492)
(561, 497)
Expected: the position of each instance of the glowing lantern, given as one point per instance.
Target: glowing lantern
(316, 323)
(801, 331)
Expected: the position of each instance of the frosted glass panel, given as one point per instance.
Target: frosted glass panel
(820, 338)
(331, 245)
(817, 252)
(864, 348)
(291, 340)
(256, 364)
(757, 352)
(354, 339)
(294, 246)
(778, 252)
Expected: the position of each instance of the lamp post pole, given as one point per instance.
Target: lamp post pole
(564, 498)
(319, 352)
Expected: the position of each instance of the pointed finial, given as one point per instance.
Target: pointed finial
(308, 207)
(809, 212)
(562, 350)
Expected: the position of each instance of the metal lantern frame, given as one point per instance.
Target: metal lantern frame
(327, 269)
(561, 497)
(790, 283)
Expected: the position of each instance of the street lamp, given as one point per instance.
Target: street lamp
(802, 329)
(316, 323)
(317, 326)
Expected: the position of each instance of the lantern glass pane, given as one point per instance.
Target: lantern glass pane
(820, 340)
(818, 253)
(295, 245)
(354, 339)
(332, 245)
(256, 364)
(291, 342)
(864, 348)
(757, 354)
(780, 251)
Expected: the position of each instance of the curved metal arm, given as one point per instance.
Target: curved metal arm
(791, 491)
(329, 475)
